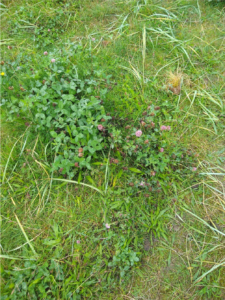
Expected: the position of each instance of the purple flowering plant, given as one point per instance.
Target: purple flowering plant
(147, 149)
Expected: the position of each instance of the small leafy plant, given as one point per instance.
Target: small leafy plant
(144, 148)
(61, 101)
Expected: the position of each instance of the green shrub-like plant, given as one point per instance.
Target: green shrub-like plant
(60, 100)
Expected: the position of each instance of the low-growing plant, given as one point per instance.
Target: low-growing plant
(144, 147)
(62, 98)
(61, 101)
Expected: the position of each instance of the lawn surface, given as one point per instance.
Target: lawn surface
(113, 149)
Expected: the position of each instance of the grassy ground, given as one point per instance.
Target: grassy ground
(55, 243)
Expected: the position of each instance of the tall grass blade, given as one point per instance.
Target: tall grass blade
(81, 183)
(26, 237)
(3, 177)
(204, 222)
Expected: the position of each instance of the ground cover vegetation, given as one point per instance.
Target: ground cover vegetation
(112, 153)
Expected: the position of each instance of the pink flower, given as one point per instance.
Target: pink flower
(53, 60)
(138, 133)
(45, 53)
(194, 169)
(49, 30)
(100, 127)
(107, 225)
(152, 173)
(163, 127)
(78, 241)
(161, 149)
(93, 39)
(142, 183)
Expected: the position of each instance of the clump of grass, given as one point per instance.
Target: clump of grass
(174, 82)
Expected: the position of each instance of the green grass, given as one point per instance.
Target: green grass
(165, 246)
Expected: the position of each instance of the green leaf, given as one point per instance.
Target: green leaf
(135, 170)
(90, 180)
(116, 204)
(53, 134)
(79, 177)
